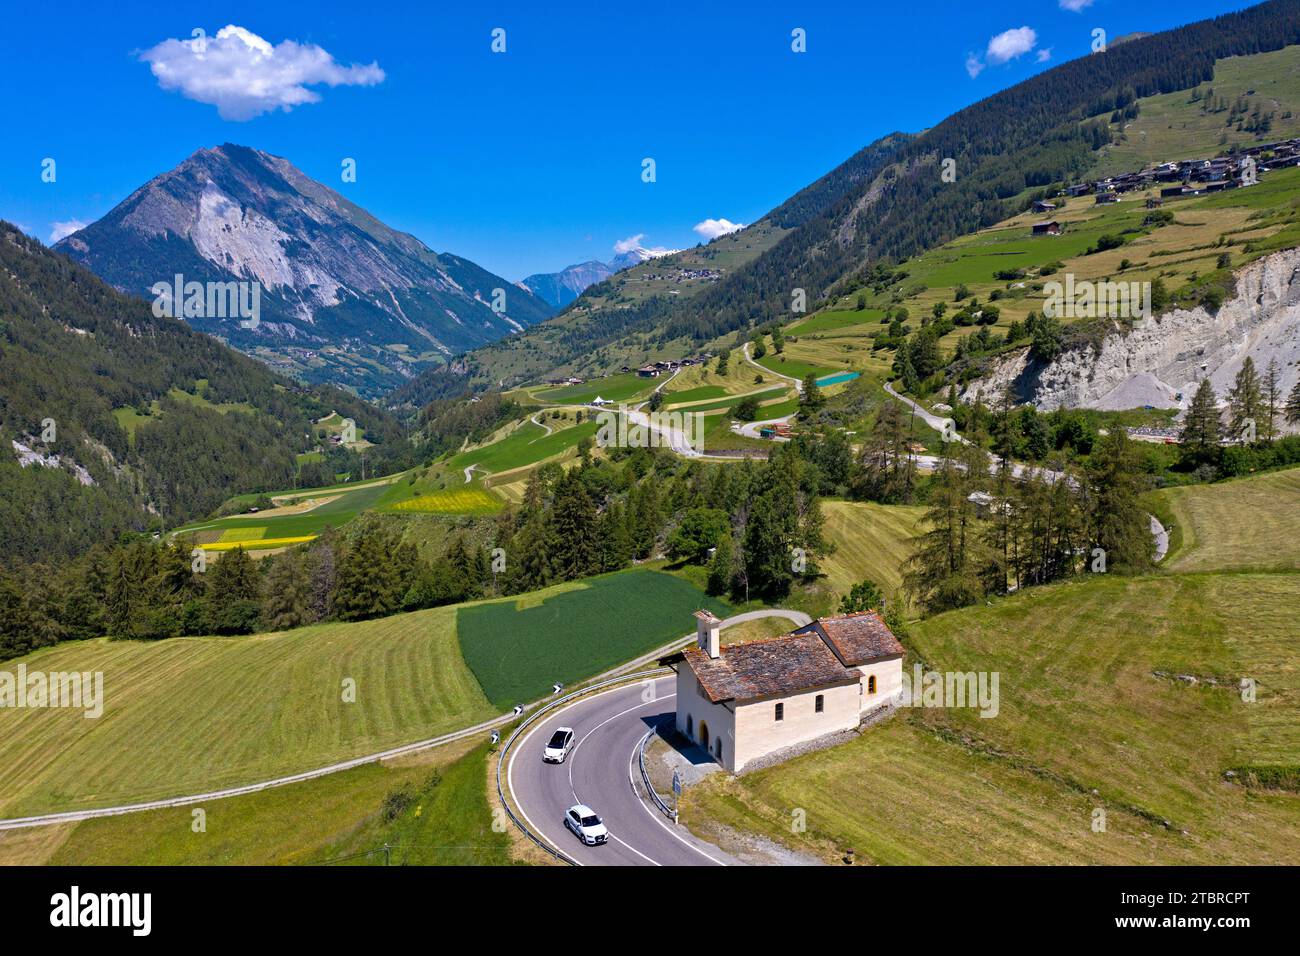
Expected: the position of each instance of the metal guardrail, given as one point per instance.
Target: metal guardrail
(670, 813)
(528, 721)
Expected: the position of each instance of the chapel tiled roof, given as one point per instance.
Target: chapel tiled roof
(856, 638)
(778, 665)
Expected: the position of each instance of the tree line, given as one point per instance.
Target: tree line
(754, 527)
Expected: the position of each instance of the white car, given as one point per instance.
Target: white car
(583, 821)
(560, 745)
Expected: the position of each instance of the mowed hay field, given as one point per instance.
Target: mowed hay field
(194, 714)
(871, 541)
(518, 647)
(1082, 709)
(1248, 523)
(338, 817)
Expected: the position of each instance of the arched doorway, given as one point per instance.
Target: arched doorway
(704, 734)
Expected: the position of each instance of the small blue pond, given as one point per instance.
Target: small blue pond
(837, 378)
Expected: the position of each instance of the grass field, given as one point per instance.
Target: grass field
(335, 817)
(194, 714)
(831, 319)
(697, 394)
(871, 542)
(793, 367)
(518, 647)
(463, 501)
(1248, 523)
(340, 507)
(258, 543)
(615, 388)
(449, 823)
(1116, 693)
(526, 445)
(724, 404)
(756, 630)
(1081, 710)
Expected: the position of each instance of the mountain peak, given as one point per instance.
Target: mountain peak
(343, 297)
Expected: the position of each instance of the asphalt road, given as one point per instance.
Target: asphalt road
(600, 772)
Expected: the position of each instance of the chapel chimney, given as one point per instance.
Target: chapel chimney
(706, 633)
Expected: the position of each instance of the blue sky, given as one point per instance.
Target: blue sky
(531, 159)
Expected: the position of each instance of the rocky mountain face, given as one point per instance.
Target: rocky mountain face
(1162, 360)
(558, 289)
(341, 297)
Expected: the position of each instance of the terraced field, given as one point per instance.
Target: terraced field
(289, 525)
(526, 445)
(1244, 223)
(615, 388)
(460, 501)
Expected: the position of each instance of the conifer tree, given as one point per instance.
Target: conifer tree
(286, 593)
(1292, 412)
(722, 567)
(1200, 435)
(1119, 525)
(1245, 401)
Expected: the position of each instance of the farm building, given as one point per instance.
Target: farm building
(754, 700)
(1052, 228)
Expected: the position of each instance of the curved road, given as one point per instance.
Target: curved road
(927, 416)
(798, 383)
(603, 772)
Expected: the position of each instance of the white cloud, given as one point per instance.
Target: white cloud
(1075, 6)
(710, 229)
(59, 230)
(244, 76)
(1006, 46)
(628, 244)
(1010, 44)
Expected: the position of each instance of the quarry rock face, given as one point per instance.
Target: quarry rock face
(1161, 361)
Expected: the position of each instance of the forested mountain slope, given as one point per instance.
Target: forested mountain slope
(127, 421)
(890, 201)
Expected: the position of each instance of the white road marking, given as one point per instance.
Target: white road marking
(654, 814)
(574, 753)
(510, 765)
